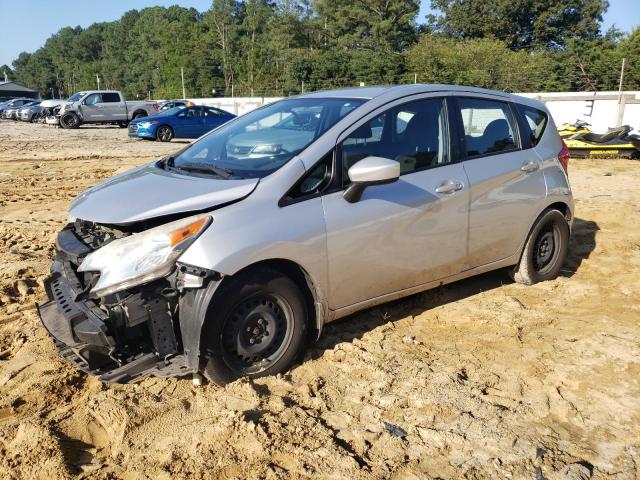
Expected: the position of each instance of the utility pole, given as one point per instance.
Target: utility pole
(98, 80)
(415, 78)
(184, 95)
(621, 102)
(302, 86)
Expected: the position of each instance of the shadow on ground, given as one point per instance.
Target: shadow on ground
(581, 244)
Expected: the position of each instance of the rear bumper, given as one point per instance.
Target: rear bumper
(90, 336)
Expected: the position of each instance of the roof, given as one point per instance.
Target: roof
(400, 90)
(11, 86)
(397, 91)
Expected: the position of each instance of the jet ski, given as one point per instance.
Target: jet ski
(615, 143)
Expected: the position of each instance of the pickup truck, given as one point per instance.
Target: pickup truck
(102, 106)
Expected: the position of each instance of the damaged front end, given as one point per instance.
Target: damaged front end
(117, 332)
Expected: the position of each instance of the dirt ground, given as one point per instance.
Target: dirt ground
(483, 378)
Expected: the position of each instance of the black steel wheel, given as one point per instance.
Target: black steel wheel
(69, 120)
(257, 333)
(164, 133)
(256, 325)
(545, 249)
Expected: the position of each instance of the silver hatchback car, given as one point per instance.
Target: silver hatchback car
(226, 257)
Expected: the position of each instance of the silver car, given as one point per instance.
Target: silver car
(225, 263)
(30, 113)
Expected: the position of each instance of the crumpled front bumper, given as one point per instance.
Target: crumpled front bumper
(84, 332)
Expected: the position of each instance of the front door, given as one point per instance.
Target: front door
(92, 108)
(406, 233)
(189, 123)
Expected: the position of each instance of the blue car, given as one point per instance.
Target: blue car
(179, 122)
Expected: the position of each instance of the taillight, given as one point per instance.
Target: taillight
(155, 107)
(563, 156)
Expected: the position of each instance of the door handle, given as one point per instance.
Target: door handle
(449, 186)
(529, 167)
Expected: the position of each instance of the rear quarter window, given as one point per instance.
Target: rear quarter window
(536, 121)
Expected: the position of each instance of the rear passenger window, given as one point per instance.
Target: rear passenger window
(110, 97)
(488, 126)
(414, 134)
(536, 121)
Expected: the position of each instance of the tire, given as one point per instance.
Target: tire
(255, 326)
(138, 115)
(545, 250)
(123, 124)
(164, 133)
(69, 120)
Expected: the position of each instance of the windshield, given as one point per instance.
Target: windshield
(75, 97)
(260, 142)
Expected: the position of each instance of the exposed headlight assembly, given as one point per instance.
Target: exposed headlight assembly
(142, 257)
(147, 124)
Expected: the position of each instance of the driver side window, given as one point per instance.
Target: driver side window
(413, 134)
(93, 99)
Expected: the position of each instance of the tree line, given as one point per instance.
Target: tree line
(284, 47)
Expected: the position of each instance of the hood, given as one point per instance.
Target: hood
(148, 191)
(52, 103)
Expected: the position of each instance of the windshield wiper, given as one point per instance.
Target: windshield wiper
(225, 173)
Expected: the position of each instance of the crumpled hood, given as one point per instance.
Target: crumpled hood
(148, 191)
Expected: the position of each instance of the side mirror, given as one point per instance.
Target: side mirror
(370, 171)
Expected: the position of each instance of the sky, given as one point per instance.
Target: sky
(27, 24)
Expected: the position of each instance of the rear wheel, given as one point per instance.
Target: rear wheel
(69, 120)
(138, 115)
(164, 133)
(123, 124)
(545, 250)
(256, 326)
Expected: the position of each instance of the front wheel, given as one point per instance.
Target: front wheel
(69, 120)
(256, 326)
(545, 250)
(164, 133)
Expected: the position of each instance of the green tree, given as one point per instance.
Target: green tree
(520, 23)
(479, 62)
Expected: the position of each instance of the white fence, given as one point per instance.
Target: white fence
(602, 109)
(235, 105)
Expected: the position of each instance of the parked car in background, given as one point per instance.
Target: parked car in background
(30, 113)
(179, 122)
(103, 106)
(211, 261)
(13, 111)
(13, 103)
(175, 103)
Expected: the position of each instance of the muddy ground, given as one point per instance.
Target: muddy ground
(480, 379)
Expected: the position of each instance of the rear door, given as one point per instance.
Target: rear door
(212, 118)
(506, 180)
(406, 233)
(113, 107)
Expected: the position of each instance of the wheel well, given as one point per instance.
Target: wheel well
(143, 112)
(562, 208)
(302, 279)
